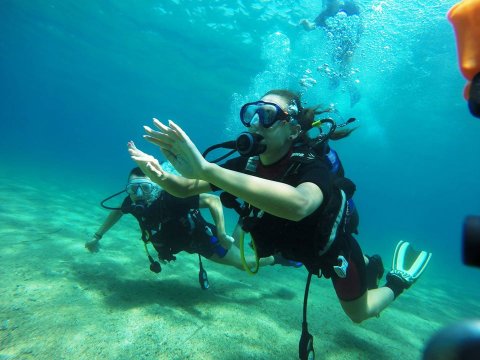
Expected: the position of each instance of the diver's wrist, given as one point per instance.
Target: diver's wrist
(97, 236)
(209, 171)
(161, 177)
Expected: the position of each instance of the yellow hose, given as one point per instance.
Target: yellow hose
(242, 255)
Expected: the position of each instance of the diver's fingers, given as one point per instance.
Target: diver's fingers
(142, 159)
(159, 142)
(151, 166)
(167, 130)
(166, 137)
(181, 135)
(169, 155)
(158, 168)
(148, 130)
(152, 132)
(138, 153)
(133, 150)
(160, 125)
(185, 145)
(131, 145)
(154, 163)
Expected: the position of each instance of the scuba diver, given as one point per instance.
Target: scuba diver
(296, 206)
(330, 9)
(318, 137)
(173, 225)
(343, 25)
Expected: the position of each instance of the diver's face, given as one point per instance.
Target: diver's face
(140, 188)
(276, 137)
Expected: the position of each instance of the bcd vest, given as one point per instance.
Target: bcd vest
(332, 222)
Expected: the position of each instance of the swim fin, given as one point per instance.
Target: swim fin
(409, 262)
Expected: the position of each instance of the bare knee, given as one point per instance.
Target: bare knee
(356, 317)
(356, 310)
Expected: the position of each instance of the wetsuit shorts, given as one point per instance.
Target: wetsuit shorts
(354, 285)
(205, 244)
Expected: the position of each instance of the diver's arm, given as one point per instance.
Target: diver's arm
(111, 220)
(179, 186)
(276, 198)
(175, 185)
(330, 9)
(213, 203)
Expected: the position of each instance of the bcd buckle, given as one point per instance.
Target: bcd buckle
(341, 268)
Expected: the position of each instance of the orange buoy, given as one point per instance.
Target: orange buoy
(465, 17)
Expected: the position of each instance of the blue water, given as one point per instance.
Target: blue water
(78, 79)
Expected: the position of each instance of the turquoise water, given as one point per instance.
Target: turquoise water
(79, 79)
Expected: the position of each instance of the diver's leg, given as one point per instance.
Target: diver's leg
(374, 269)
(232, 258)
(370, 304)
(357, 301)
(237, 233)
(373, 301)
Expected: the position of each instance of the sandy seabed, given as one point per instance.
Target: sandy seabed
(57, 301)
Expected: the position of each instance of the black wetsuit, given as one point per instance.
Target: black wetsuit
(173, 225)
(349, 7)
(295, 240)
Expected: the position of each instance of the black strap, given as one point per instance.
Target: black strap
(202, 275)
(305, 345)
(305, 300)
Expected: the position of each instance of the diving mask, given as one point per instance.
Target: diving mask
(265, 113)
(135, 185)
(143, 190)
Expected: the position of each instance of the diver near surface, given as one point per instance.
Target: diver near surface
(173, 224)
(465, 18)
(343, 25)
(330, 9)
(300, 208)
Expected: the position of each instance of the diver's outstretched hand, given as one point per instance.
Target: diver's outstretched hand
(149, 165)
(93, 245)
(178, 149)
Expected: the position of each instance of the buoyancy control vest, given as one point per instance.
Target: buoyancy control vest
(334, 163)
(152, 218)
(332, 222)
